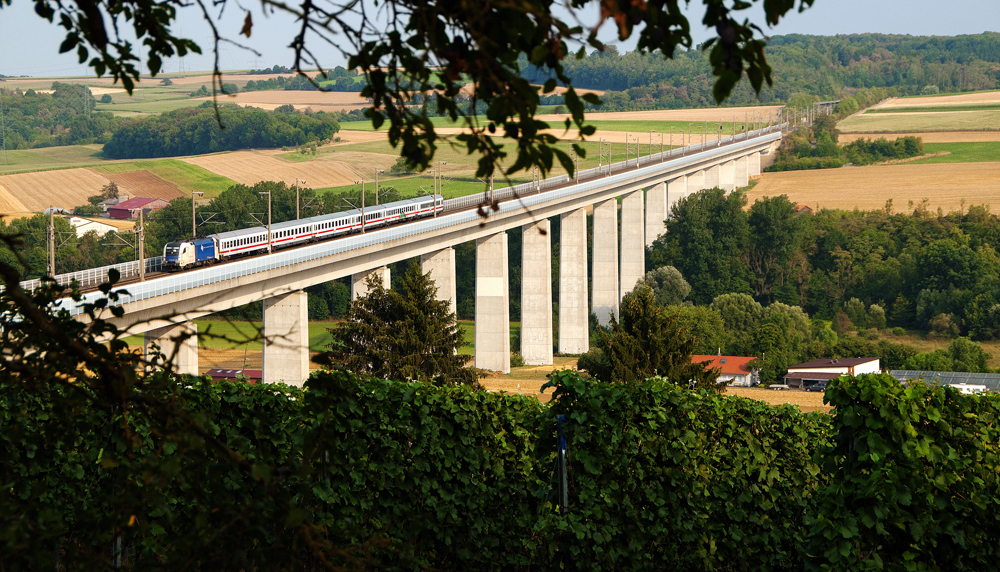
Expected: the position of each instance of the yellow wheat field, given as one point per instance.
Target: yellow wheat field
(249, 168)
(36, 192)
(946, 186)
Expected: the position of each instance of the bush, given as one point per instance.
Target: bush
(106, 98)
(516, 360)
(897, 331)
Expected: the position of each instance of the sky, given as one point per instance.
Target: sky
(29, 45)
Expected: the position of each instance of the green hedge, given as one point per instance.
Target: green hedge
(394, 475)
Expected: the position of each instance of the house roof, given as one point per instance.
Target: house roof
(731, 365)
(812, 376)
(137, 202)
(233, 373)
(833, 362)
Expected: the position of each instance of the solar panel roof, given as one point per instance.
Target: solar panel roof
(990, 380)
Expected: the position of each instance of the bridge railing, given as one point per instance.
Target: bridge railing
(530, 188)
(95, 276)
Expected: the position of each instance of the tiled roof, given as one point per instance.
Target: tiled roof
(136, 203)
(730, 365)
(834, 362)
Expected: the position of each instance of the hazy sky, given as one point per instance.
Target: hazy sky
(29, 45)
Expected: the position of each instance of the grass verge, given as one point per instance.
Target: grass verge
(986, 151)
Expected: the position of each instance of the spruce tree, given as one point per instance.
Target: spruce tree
(646, 342)
(403, 335)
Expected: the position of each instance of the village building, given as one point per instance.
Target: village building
(130, 209)
(734, 370)
(801, 376)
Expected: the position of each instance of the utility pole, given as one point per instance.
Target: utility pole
(377, 171)
(362, 181)
(142, 246)
(194, 223)
(3, 127)
(671, 141)
(297, 181)
(651, 131)
(626, 150)
(440, 175)
(52, 241)
(661, 147)
(268, 193)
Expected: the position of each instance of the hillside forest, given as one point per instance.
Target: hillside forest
(810, 68)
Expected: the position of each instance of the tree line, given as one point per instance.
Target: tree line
(194, 131)
(64, 117)
(823, 67)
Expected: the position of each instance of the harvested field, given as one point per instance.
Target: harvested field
(249, 168)
(806, 400)
(933, 101)
(145, 184)
(945, 186)
(237, 78)
(37, 191)
(928, 137)
(918, 122)
(725, 114)
(315, 100)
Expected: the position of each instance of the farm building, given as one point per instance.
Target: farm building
(805, 374)
(734, 369)
(965, 382)
(130, 208)
(83, 225)
(251, 376)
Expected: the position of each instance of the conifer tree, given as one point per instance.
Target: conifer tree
(646, 342)
(402, 335)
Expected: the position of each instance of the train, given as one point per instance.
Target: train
(202, 251)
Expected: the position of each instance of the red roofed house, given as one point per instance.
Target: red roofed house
(805, 374)
(803, 210)
(734, 369)
(130, 209)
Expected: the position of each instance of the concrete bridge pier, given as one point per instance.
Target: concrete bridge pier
(574, 332)
(286, 338)
(713, 177)
(695, 182)
(178, 342)
(633, 245)
(536, 293)
(676, 190)
(492, 307)
(753, 164)
(727, 176)
(359, 281)
(604, 297)
(742, 173)
(441, 266)
(656, 212)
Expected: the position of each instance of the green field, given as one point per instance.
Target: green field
(987, 151)
(922, 122)
(187, 177)
(48, 158)
(936, 108)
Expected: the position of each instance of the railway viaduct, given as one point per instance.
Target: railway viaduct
(163, 308)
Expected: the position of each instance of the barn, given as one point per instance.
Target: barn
(130, 209)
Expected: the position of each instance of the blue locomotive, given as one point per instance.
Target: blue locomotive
(182, 254)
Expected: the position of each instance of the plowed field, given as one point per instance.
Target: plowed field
(145, 184)
(37, 191)
(249, 168)
(868, 188)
